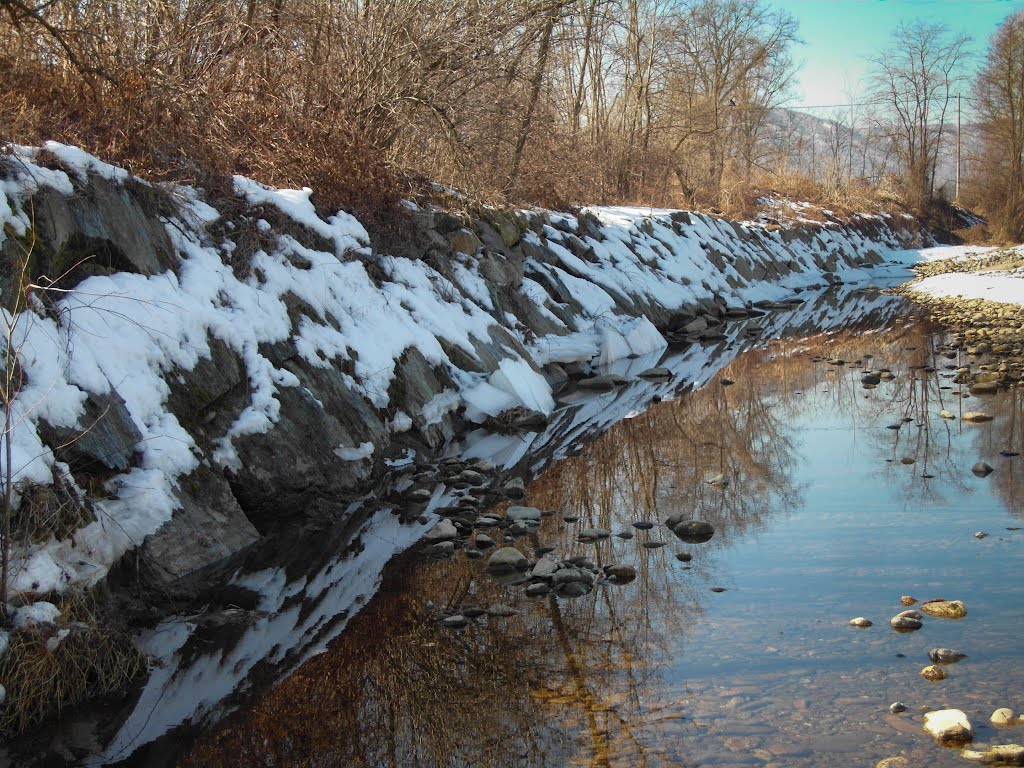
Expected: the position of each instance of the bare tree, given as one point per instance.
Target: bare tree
(999, 96)
(732, 66)
(914, 79)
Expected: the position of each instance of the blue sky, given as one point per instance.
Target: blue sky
(840, 34)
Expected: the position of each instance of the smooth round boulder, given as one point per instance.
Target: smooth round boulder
(523, 514)
(860, 622)
(1003, 716)
(905, 623)
(507, 560)
(693, 531)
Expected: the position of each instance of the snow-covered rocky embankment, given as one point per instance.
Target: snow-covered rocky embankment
(194, 372)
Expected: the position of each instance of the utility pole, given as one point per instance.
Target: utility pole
(958, 143)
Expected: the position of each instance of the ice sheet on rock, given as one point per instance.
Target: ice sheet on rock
(439, 406)
(485, 400)
(519, 380)
(573, 347)
(613, 346)
(504, 451)
(629, 367)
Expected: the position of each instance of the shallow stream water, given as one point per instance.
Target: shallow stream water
(741, 656)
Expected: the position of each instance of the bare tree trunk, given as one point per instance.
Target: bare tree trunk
(535, 85)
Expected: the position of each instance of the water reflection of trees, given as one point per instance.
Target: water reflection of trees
(564, 681)
(942, 450)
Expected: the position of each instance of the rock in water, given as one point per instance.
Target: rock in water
(945, 656)
(455, 622)
(507, 560)
(537, 590)
(603, 383)
(514, 488)
(860, 622)
(946, 415)
(981, 469)
(694, 531)
(545, 567)
(594, 534)
(1003, 716)
(907, 621)
(1001, 754)
(655, 373)
(719, 481)
(573, 589)
(620, 574)
(949, 726)
(933, 673)
(908, 600)
(523, 514)
(897, 706)
(944, 609)
(444, 531)
(976, 417)
(501, 610)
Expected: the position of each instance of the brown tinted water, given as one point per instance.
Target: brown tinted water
(821, 521)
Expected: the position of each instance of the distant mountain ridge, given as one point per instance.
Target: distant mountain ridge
(818, 146)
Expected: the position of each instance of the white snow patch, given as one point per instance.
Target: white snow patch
(401, 422)
(35, 613)
(360, 452)
(1002, 287)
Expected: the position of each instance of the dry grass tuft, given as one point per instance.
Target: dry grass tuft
(49, 511)
(49, 667)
